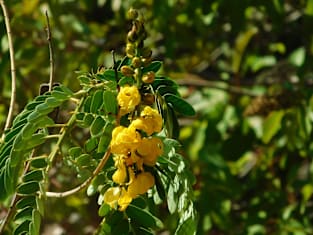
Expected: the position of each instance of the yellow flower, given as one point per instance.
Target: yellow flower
(150, 149)
(128, 98)
(117, 196)
(120, 175)
(124, 140)
(124, 200)
(150, 121)
(140, 184)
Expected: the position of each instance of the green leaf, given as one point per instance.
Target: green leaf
(171, 199)
(97, 126)
(35, 140)
(22, 228)
(272, 125)
(109, 102)
(84, 80)
(87, 104)
(28, 188)
(143, 217)
(34, 226)
(34, 116)
(88, 119)
(297, 57)
(29, 129)
(65, 89)
(32, 105)
(83, 160)
(59, 95)
(53, 102)
(40, 205)
(126, 81)
(105, 138)
(187, 227)
(109, 75)
(97, 100)
(13, 132)
(25, 202)
(154, 66)
(74, 152)
(163, 90)
(158, 81)
(179, 105)
(24, 214)
(43, 109)
(39, 163)
(91, 144)
(36, 175)
(104, 210)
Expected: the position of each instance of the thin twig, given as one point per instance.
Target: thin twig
(50, 53)
(84, 184)
(12, 62)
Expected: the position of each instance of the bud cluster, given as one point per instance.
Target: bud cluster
(136, 51)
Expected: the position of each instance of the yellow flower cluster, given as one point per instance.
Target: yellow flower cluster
(132, 151)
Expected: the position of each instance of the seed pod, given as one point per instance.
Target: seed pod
(148, 98)
(127, 71)
(136, 62)
(130, 50)
(148, 77)
(132, 14)
(146, 52)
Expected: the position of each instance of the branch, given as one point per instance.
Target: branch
(50, 53)
(84, 184)
(12, 62)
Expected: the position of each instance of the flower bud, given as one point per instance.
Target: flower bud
(130, 50)
(132, 14)
(127, 71)
(148, 99)
(132, 36)
(136, 62)
(148, 77)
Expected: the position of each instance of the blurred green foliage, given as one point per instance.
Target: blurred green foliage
(247, 69)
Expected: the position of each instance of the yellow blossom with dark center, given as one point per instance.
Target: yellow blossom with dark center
(150, 121)
(124, 140)
(150, 149)
(128, 98)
